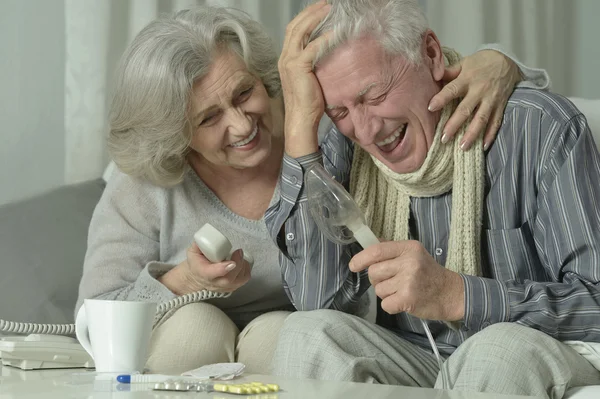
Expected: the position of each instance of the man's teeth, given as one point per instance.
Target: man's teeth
(393, 137)
(246, 140)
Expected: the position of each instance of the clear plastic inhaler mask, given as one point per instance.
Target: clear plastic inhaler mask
(339, 218)
(335, 211)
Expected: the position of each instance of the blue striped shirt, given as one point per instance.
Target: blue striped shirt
(540, 234)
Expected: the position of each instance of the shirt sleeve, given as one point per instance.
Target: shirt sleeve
(534, 78)
(566, 235)
(314, 269)
(122, 258)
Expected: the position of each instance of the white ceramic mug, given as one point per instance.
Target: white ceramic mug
(116, 334)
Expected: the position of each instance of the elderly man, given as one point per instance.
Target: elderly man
(499, 249)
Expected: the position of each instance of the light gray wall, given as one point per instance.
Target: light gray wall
(586, 46)
(32, 53)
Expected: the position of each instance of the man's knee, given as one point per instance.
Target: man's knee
(310, 323)
(507, 336)
(302, 339)
(302, 330)
(512, 359)
(504, 348)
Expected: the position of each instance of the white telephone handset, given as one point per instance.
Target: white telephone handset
(213, 244)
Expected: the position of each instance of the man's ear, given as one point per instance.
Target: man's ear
(433, 55)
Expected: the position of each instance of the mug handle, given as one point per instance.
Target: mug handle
(82, 331)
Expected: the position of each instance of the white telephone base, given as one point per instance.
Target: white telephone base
(41, 351)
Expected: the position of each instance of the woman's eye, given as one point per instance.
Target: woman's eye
(245, 94)
(207, 120)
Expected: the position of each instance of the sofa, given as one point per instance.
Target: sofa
(43, 241)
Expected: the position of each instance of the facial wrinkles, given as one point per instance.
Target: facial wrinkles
(397, 75)
(429, 121)
(344, 87)
(223, 89)
(389, 87)
(340, 79)
(387, 74)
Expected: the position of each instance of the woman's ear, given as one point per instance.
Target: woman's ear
(434, 57)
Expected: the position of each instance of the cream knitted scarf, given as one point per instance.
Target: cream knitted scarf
(384, 196)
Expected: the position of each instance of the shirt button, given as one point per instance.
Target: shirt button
(289, 236)
(294, 180)
(439, 251)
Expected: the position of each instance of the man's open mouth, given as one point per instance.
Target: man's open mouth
(392, 141)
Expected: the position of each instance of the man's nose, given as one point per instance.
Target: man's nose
(239, 122)
(366, 126)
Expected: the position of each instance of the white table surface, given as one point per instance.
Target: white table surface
(77, 383)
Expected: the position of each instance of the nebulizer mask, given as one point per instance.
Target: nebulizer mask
(340, 219)
(335, 211)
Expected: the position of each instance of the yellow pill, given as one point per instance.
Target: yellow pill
(264, 389)
(273, 387)
(221, 387)
(235, 389)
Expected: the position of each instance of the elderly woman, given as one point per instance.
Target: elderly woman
(197, 133)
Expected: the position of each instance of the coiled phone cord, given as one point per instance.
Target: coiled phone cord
(69, 329)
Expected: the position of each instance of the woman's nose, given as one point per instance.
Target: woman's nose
(240, 122)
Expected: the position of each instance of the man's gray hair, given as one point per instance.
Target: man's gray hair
(150, 131)
(398, 25)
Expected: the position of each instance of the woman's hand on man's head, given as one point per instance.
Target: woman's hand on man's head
(484, 81)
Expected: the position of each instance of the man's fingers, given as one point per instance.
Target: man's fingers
(392, 305)
(382, 271)
(301, 27)
(455, 89)
(381, 252)
(386, 288)
(302, 15)
(310, 51)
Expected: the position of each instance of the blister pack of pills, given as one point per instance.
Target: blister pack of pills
(251, 388)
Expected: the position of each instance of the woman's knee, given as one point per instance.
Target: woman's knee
(195, 335)
(265, 326)
(256, 343)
